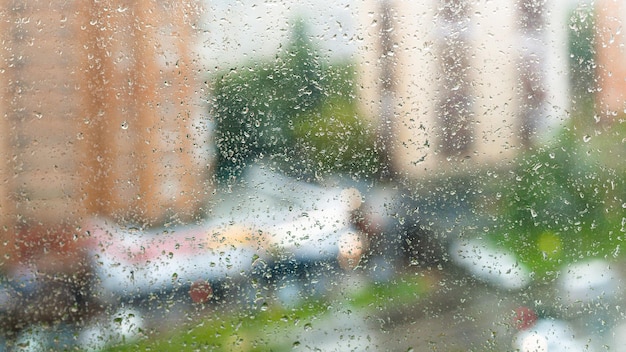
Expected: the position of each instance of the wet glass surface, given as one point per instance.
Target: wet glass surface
(270, 175)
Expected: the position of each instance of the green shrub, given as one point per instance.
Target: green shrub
(563, 202)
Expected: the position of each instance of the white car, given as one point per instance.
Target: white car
(268, 229)
(130, 262)
(269, 218)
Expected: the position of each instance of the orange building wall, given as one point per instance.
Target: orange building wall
(98, 100)
(611, 56)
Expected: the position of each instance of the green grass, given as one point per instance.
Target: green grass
(400, 291)
(269, 327)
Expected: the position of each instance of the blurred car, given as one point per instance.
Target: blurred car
(268, 233)
(308, 229)
(582, 315)
(265, 237)
(130, 263)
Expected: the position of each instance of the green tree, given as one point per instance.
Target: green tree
(255, 106)
(296, 110)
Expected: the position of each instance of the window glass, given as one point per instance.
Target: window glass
(349, 176)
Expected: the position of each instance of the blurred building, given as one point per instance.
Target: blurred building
(611, 58)
(101, 101)
(473, 83)
(100, 105)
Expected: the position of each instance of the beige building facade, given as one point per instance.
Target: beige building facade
(463, 74)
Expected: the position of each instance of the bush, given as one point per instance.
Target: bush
(563, 202)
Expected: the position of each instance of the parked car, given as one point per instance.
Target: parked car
(268, 236)
(308, 229)
(582, 315)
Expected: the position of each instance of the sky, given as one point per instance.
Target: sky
(239, 31)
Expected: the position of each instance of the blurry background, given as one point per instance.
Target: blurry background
(498, 120)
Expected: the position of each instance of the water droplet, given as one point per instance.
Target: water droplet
(586, 138)
(80, 136)
(533, 213)
(38, 114)
(296, 344)
(308, 327)
(264, 307)
(125, 125)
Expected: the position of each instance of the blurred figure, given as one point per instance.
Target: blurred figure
(389, 216)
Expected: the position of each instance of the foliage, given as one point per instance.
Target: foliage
(248, 329)
(581, 47)
(563, 202)
(296, 111)
(334, 138)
